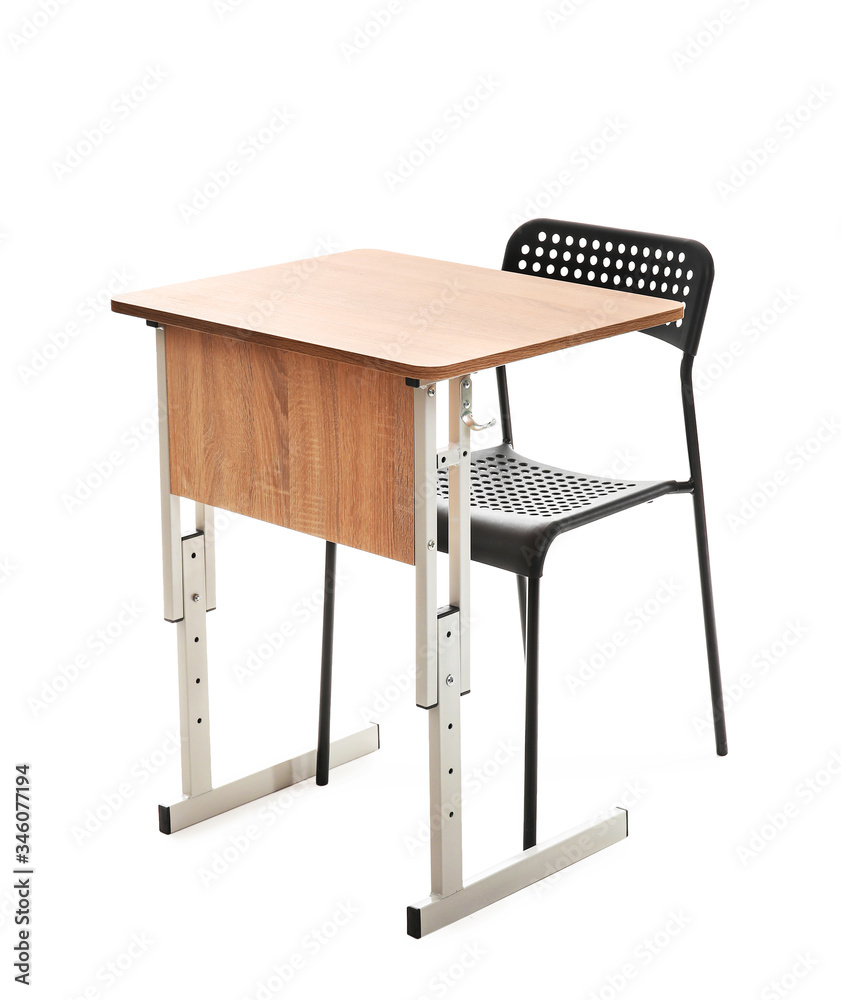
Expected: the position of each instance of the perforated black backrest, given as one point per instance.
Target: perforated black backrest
(644, 263)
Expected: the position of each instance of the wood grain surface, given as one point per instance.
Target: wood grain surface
(301, 441)
(411, 316)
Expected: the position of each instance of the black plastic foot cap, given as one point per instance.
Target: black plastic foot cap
(164, 822)
(413, 922)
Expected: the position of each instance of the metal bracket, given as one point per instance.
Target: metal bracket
(447, 457)
(192, 670)
(445, 797)
(205, 523)
(467, 417)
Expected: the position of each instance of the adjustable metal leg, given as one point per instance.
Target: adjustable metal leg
(189, 593)
(426, 547)
(170, 505)
(323, 761)
(441, 668)
(202, 800)
(530, 779)
(460, 402)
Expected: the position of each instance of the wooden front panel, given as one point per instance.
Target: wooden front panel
(304, 442)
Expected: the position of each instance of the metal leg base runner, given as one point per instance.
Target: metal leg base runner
(236, 793)
(526, 868)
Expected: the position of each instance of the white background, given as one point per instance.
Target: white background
(664, 123)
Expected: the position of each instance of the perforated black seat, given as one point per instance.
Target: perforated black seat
(518, 506)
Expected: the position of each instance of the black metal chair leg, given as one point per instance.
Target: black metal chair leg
(709, 626)
(322, 763)
(703, 552)
(521, 594)
(530, 783)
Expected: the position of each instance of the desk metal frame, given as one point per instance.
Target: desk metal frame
(442, 674)
(189, 566)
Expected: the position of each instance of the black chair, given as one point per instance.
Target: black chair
(519, 506)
